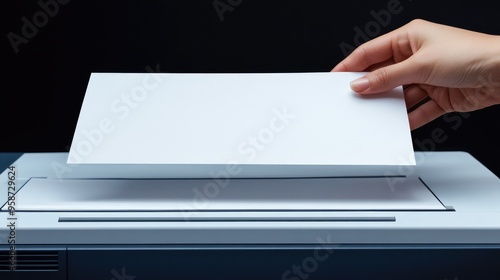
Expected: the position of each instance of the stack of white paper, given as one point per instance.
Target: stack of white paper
(278, 119)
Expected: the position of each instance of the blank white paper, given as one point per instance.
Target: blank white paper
(299, 119)
(241, 194)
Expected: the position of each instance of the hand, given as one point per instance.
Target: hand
(442, 69)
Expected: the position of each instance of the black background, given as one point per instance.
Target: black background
(42, 86)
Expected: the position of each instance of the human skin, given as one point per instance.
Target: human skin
(441, 68)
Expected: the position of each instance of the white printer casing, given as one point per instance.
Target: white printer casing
(448, 200)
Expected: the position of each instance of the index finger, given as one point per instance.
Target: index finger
(372, 52)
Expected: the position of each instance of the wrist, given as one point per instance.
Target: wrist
(496, 59)
(489, 59)
(493, 69)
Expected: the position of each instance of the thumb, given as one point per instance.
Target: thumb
(387, 78)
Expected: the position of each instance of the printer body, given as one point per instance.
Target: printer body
(439, 219)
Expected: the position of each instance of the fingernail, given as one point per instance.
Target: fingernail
(360, 84)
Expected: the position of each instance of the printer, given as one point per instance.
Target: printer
(436, 219)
